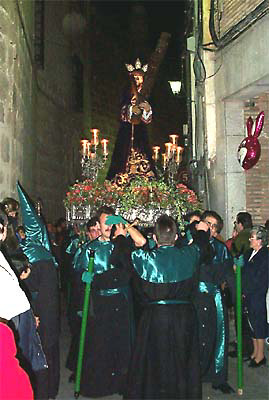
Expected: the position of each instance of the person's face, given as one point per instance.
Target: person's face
(255, 243)
(213, 224)
(105, 229)
(94, 231)
(139, 79)
(12, 214)
(238, 226)
(22, 234)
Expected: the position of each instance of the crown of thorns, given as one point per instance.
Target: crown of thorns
(138, 67)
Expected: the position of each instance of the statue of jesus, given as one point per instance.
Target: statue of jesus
(136, 113)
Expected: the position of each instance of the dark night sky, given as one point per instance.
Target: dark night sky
(163, 16)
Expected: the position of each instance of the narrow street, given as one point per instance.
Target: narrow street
(256, 381)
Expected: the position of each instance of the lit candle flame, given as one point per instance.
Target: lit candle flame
(84, 145)
(88, 148)
(95, 139)
(155, 152)
(180, 150)
(168, 147)
(174, 138)
(104, 143)
(164, 156)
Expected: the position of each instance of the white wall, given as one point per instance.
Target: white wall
(244, 73)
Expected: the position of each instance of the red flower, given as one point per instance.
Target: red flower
(87, 188)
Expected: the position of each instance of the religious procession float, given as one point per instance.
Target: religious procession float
(141, 183)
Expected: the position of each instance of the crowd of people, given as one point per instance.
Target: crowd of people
(157, 325)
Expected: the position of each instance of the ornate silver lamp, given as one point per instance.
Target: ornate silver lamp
(92, 159)
(171, 159)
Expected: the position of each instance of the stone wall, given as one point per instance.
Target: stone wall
(57, 126)
(17, 143)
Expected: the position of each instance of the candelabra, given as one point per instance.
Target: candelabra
(171, 159)
(91, 158)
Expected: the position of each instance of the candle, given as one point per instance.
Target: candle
(168, 147)
(104, 143)
(84, 144)
(88, 148)
(179, 154)
(92, 155)
(164, 156)
(174, 148)
(95, 139)
(173, 138)
(156, 152)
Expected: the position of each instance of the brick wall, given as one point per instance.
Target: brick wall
(230, 12)
(257, 182)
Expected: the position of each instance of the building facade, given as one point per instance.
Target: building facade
(232, 84)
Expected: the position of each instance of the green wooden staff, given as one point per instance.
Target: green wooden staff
(89, 272)
(239, 330)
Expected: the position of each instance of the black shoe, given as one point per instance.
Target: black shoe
(247, 358)
(224, 388)
(72, 377)
(254, 364)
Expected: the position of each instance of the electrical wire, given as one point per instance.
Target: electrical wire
(261, 10)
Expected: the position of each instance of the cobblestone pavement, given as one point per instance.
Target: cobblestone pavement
(256, 381)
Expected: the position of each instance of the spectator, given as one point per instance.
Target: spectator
(11, 208)
(14, 381)
(20, 233)
(239, 247)
(255, 286)
(15, 310)
(243, 225)
(230, 241)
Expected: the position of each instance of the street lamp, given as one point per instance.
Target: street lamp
(175, 87)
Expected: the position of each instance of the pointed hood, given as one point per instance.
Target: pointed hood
(37, 244)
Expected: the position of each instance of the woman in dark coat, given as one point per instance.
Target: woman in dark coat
(165, 362)
(255, 286)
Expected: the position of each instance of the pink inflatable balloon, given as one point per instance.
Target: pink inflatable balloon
(249, 150)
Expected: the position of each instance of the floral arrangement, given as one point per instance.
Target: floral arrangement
(92, 193)
(145, 197)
